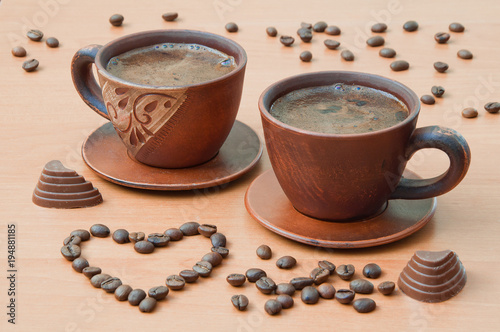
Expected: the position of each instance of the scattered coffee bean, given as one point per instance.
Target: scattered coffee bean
(189, 275)
(372, 271)
(305, 35)
(255, 274)
(82, 233)
(285, 288)
(400, 65)
(91, 271)
(190, 228)
(386, 287)
(203, 268)
(410, 26)
(174, 234)
(175, 282)
(207, 230)
(347, 55)
(492, 107)
(71, 252)
(387, 52)
(327, 265)
(287, 40)
(99, 230)
(34, 35)
(326, 291)
(306, 25)
(213, 258)
(144, 247)
(332, 30)
(344, 296)
(428, 99)
(158, 293)
(79, 264)
(442, 37)
(320, 275)
(111, 284)
(170, 16)
(273, 307)
(52, 42)
(272, 32)
(135, 237)
(116, 20)
(19, 51)
(221, 250)
(122, 292)
(236, 279)
(218, 240)
(286, 262)
(72, 239)
(331, 44)
(309, 295)
(30, 65)
(364, 305)
(265, 285)
(441, 67)
(379, 27)
(158, 239)
(456, 27)
(147, 305)
(301, 282)
(361, 286)
(345, 272)
(285, 300)
(437, 90)
(469, 112)
(121, 236)
(136, 296)
(464, 54)
(97, 280)
(306, 56)
(320, 26)
(240, 302)
(264, 252)
(375, 41)
(231, 27)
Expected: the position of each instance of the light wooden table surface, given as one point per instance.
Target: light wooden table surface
(43, 119)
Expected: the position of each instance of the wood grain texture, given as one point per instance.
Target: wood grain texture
(43, 119)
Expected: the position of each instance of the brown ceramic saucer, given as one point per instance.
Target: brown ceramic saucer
(105, 153)
(268, 204)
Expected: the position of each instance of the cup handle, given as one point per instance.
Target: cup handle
(84, 80)
(446, 140)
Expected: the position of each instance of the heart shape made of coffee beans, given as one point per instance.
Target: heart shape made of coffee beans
(71, 250)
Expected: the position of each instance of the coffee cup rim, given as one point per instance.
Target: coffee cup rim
(101, 66)
(312, 79)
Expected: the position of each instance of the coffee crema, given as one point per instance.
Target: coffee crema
(339, 109)
(171, 64)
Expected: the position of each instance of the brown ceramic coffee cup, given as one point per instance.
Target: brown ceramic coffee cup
(168, 127)
(351, 177)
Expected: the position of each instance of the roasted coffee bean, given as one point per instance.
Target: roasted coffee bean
(19, 51)
(492, 107)
(158, 239)
(386, 287)
(285, 300)
(320, 26)
(400, 65)
(79, 264)
(301, 282)
(331, 44)
(221, 250)
(347, 55)
(326, 291)
(372, 271)
(469, 112)
(144, 247)
(255, 274)
(236, 279)
(428, 99)
(464, 54)
(306, 56)
(287, 40)
(285, 288)
(361, 286)
(306, 25)
(136, 296)
(379, 27)
(309, 295)
(100, 230)
(273, 307)
(332, 30)
(218, 240)
(305, 35)
(30, 65)
(190, 228)
(231, 27)
(34, 35)
(410, 26)
(364, 305)
(111, 284)
(387, 52)
(327, 265)
(91, 271)
(82, 233)
(175, 282)
(265, 285)
(344, 296)
(437, 90)
(52, 42)
(72, 239)
(203, 268)
(189, 275)
(213, 258)
(158, 293)
(122, 292)
(456, 27)
(71, 252)
(116, 20)
(97, 280)
(264, 252)
(320, 275)
(207, 230)
(286, 262)
(170, 16)
(440, 66)
(174, 234)
(272, 32)
(120, 236)
(135, 237)
(345, 272)
(375, 41)
(147, 305)
(441, 37)
(240, 302)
